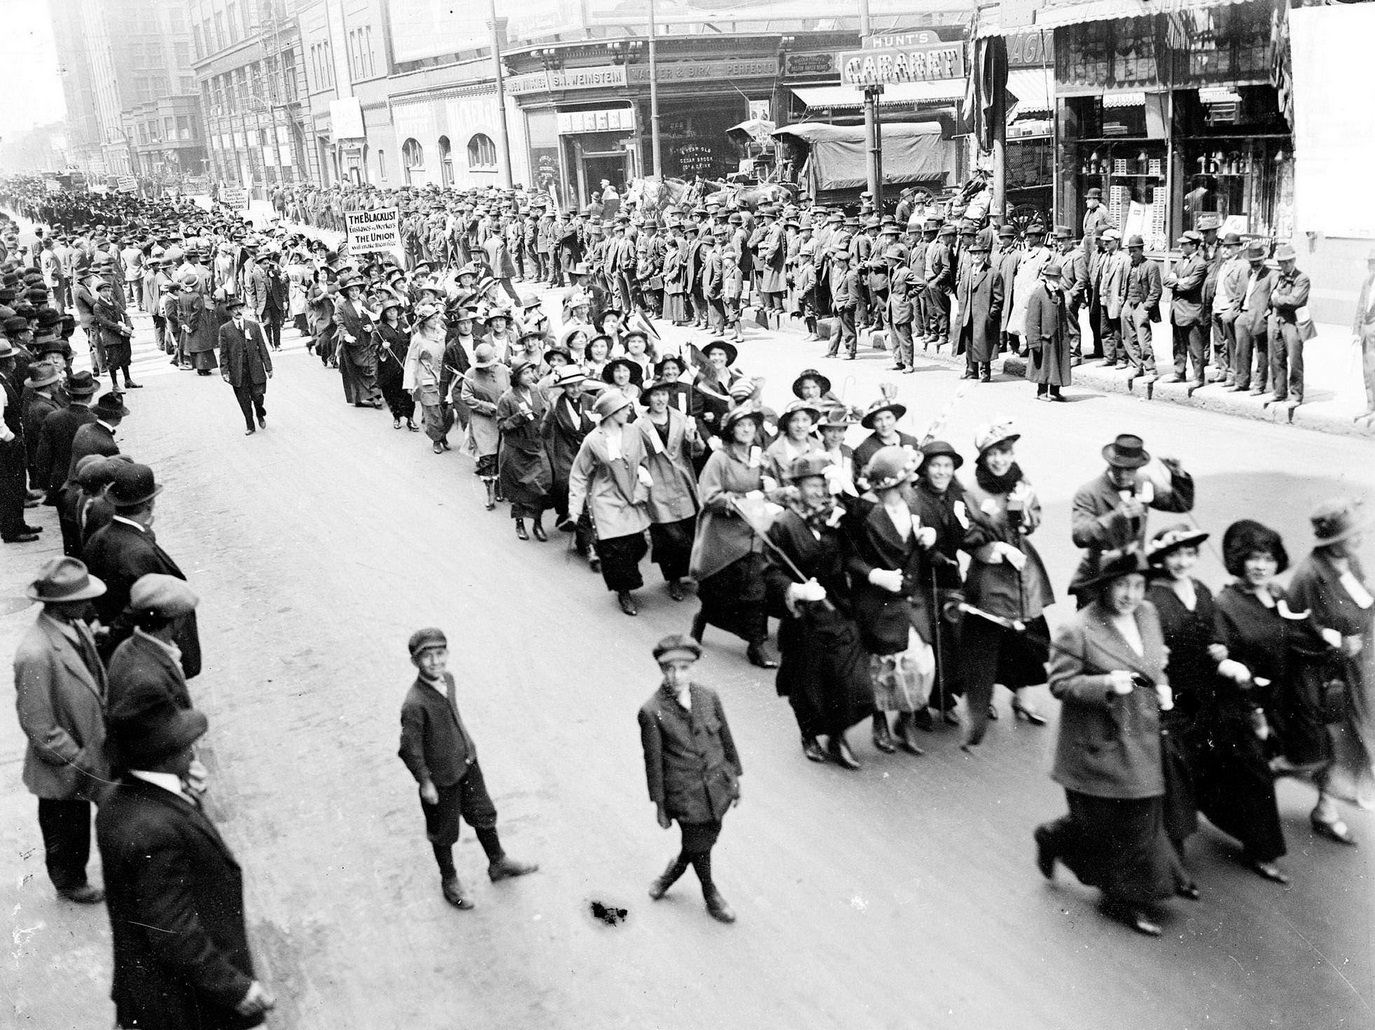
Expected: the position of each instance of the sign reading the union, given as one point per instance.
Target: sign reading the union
(373, 231)
(906, 64)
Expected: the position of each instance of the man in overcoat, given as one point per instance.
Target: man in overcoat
(59, 428)
(245, 364)
(147, 664)
(98, 437)
(980, 298)
(61, 701)
(691, 766)
(1252, 324)
(1187, 314)
(1047, 341)
(174, 889)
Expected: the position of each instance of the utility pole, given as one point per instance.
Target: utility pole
(873, 131)
(654, 97)
(501, 99)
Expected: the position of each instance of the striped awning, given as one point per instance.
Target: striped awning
(1058, 13)
(1034, 89)
(1130, 98)
(941, 91)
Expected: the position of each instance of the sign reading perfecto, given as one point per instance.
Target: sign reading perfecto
(372, 231)
(905, 64)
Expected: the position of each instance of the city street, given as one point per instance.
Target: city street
(901, 896)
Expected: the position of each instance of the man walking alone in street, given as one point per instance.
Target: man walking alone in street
(245, 364)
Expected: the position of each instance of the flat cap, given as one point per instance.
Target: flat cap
(424, 639)
(165, 596)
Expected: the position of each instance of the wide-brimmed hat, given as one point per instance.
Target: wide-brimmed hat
(1247, 537)
(1171, 539)
(1112, 565)
(609, 402)
(813, 463)
(810, 373)
(497, 313)
(64, 579)
(678, 647)
(881, 405)
(676, 358)
(749, 409)
(132, 484)
(484, 356)
(940, 448)
(41, 374)
(890, 466)
(1335, 520)
(993, 434)
(731, 352)
(110, 405)
(569, 375)
(1126, 452)
(145, 730)
(836, 418)
(637, 372)
(794, 407)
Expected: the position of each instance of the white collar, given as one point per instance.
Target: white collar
(130, 522)
(102, 422)
(169, 782)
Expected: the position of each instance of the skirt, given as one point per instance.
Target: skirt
(675, 307)
(487, 466)
(1117, 845)
(672, 546)
(620, 557)
(733, 599)
(1235, 787)
(902, 681)
(1180, 804)
(204, 360)
(823, 671)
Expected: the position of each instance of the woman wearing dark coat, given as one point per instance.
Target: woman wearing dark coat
(823, 670)
(357, 359)
(691, 767)
(1331, 713)
(526, 475)
(1235, 786)
(938, 498)
(393, 342)
(200, 329)
(566, 425)
(1108, 670)
(1047, 335)
(670, 443)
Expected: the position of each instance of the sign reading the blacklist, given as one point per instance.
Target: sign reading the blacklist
(373, 231)
(127, 184)
(903, 64)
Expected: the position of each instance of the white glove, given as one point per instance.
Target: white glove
(754, 495)
(799, 592)
(1331, 637)
(1012, 556)
(1120, 682)
(888, 579)
(1230, 668)
(1165, 696)
(714, 442)
(643, 475)
(926, 536)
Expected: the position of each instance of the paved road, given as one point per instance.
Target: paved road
(900, 896)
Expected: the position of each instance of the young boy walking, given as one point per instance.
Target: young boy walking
(691, 765)
(442, 757)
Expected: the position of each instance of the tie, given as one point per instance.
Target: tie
(190, 793)
(88, 652)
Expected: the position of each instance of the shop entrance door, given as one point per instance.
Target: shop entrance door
(596, 166)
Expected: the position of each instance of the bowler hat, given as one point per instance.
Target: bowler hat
(133, 484)
(677, 647)
(1135, 241)
(110, 405)
(145, 730)
(1094, 194)
(940, 448)
(64, 579)
(1231, 239)
(1126, 452)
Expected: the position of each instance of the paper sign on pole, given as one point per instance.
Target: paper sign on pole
(372, 231)
(127, 184)
(234, 197)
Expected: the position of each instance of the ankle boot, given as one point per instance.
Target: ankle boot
(667, 879)
(905, 732)
(883, 739)
(491, 494)
(520, 530)
(538, 529)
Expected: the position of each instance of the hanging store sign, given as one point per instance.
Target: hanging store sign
(815, 65)
(899, 40)
(914, 64)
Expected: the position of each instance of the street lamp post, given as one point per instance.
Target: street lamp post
(873, 131)
(655, 146)
(501, 98)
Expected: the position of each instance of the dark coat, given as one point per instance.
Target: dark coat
(1096, 525)
(690, 760)
(141, 667)
(884, 618)
(36, 411)
(92, 438)
(120, 554)
(198, 322)
(435, 745)
(244, 358)
(175, 897)
(1047, 337)
(55, 444)
(948, 515)
(1186, 284)
(980, 296)
(563, 435)
(1108, 744)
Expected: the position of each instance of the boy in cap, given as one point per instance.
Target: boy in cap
(436, 748)
(691, 766)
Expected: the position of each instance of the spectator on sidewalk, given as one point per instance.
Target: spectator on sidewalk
(1363, 333)
(1252, 324)
(1231, 289)
(1141, 309)
(1293, 327)
(1110, 288)
(1187, 317)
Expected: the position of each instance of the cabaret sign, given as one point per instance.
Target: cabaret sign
(903, 64)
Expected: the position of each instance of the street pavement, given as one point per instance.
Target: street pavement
(904, 895)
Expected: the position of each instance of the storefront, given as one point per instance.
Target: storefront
(1030, 150)
(1175, 116)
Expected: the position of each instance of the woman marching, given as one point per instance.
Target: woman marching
(483, 386)
(670, 443)
(1231, 736)
(608, 480)
(939, 499)
(823, 670)
(526, 475)
(393, 344)
(889, 574)
(357, 360)
(796, 437)
(1006, 579)
(566, 425)
(1333, 714)
(422, 373)
(1108, 670)
(200, 330)
(727, 559)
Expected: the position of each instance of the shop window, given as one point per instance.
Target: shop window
(412, 159)
(382, 165)
(482, 153)
(446, 162)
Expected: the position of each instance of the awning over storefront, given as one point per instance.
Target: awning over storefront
(851, 97)
(912, 152)
(1128, 99)
(1034, 89)
(1057, 13)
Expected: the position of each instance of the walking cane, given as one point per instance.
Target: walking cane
(776, 551)
(936, 616)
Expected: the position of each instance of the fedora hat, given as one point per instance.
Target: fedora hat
(940, 448)
(7, 349)
(41, 374)
(1171, 539)
(81, 384)
(812, 374)
(110, 405)
(1335, 520)
(891, 466)
(1126, 452)
(609, 402)
(1254, 251)
(64, 579)
(881, 405)
(146, 730)
(1286, 252)
(133, 484)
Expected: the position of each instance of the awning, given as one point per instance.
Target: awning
(1127, 99)
(1034, 89)
(1074, 12)
(841, 97)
